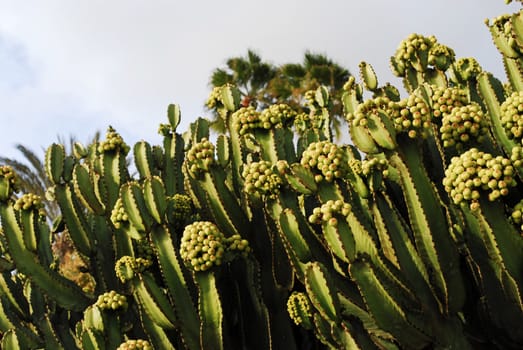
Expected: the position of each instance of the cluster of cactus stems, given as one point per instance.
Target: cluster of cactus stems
(272, 236)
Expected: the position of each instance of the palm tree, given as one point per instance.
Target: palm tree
(250, 75)
(262, 84)
(294, 80)
(33, 179)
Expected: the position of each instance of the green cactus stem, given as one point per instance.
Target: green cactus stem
(66, 293)
(210, 311)
(431, 233)
(178, 285)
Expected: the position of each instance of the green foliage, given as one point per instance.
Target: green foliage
(274, 236)
(262, 85)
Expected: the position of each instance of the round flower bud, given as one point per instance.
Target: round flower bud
(412, 50)
(300, 309)
(143, 249)
(327, 158)
(180, 208)
(372, 106)
(462, 126)
(474, 172)
(237, 244)
(9, 182)
(517, 216)
(111, 301)
(413, 117)
(277, 116)
(215, 98)
(466, 68)
(261, 179)
(356, 166)
(202, 245)
(118, 215)
(374, 164)
(133, 344)
(328, 211)
(113, 143)
(309, 121)
(200, 157)
(127, 267)
(441, 56)
(516, 156)
(512, 116)
(445, 99)
(246, 119)
(29, 201)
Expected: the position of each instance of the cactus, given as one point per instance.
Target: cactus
(273, 236)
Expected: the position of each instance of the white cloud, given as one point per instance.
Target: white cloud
(90, 64)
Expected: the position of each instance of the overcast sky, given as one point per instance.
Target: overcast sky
(74, 67)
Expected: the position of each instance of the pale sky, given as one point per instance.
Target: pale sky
(74, 67)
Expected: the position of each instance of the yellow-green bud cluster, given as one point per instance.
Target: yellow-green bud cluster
(11, 180)
(463, 125)
(445, 99)
(441, 56)
(300, 309)
(113, 142)
(215, 98)
(410, 50)
(466, 68)
(517, 215)
(310, 97)
(9, 174)
(111, 301)
(246, 119)
(303, 122)
(512, 115)
(372, 106)
(356, 166)
(127, 267)
(375, 164)
(118, 214)
(135, 344)
(143, 249)
(276, 116)
(328, 211)
(328, 158)
(200, 157)
(261, 179)
(475, 171)
(182, 207)
(236, 243)
(516, 156)
(29, 201)
(202, 245)
(307, 121)
(414, 117)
